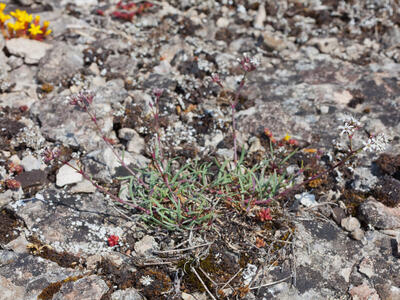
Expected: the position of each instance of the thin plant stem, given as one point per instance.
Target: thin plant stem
(233, 112)
(100, 188)
(166, 181)
(106, 140)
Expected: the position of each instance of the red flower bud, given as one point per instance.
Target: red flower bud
(265, 214)
(112, 240)
(13, 184)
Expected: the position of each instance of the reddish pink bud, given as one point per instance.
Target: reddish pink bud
(112, 240)
(23, 108)
(49, 155)
(248, 64)
(15, 168)
(13, 184)
(265, 214)
(267, 132)
(158, 92)
(109, 141)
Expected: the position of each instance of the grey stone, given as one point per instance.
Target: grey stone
(255, 145)
(104, 164)
(32, 178)
(19, 245)
(31, 50)
(326, 256)
(306, 199)
(273, 41)
(338, 214)
(18, 99)
(364, 179)
(25, 2)
(23, 276)
(350, 224)
(128, 294)
(260, 17)
(145, 245)
(60, 121)
(366, 267)
(30, 163)
(136, 143)
(61, 62)
(122, 65)
(222, 22)
(67, 175)
(23, 78)
(68, 223)
(15, 61)
(2, 42)
(5, 198)
(363, 291)
(379, 215)
(5, 83)
(89, 287)
(84, 186)
(358, 234)
(195, 296)
(82, 3)
(325, 45)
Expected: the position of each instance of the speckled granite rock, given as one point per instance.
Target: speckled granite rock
(23, 276)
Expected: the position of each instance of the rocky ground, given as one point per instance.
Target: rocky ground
(319, 60)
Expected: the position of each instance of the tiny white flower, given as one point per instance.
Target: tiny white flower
(146, 280)
(254, 61)
(350, 120)
(351, 124)
(347, 129)
(376, 143)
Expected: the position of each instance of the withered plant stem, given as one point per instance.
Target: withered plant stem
(103, 190)
(233, 112)
(106, 140)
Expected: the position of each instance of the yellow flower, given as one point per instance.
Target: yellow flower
(19, 26)
(25, 17)
(15, 26)
(22, 16)
(48, 31)
(37, 19)
(35, 30)
(10, 26)
(16, 14)
(2, 6)
(287, 137)
(46, 24)
(3, 17)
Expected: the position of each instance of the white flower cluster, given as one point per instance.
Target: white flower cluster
(376, 143)
(351, 124)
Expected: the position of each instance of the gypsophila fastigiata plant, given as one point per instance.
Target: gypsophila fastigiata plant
(193, 195)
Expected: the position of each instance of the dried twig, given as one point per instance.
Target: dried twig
(182, 250)
(202, 282)
(208, 277)
(318, 205)
(293, 266)
(233, 277)
(271, 283)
